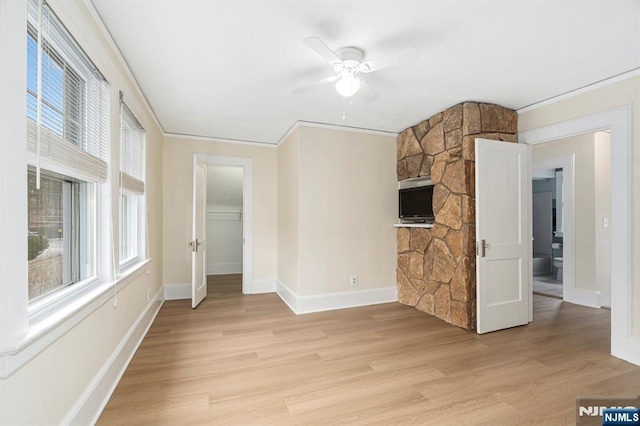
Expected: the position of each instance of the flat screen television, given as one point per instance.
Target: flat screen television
(416, 204)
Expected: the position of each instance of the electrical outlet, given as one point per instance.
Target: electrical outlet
(148, 294)
(354, 280)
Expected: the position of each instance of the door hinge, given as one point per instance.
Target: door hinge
(194, 245)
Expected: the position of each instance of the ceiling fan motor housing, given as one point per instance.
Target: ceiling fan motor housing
(351, 60)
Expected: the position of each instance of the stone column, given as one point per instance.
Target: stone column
(436, 267)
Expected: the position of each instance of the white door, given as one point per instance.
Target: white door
(503, 194)
(198, 243)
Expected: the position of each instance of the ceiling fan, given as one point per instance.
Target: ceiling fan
(348, 63)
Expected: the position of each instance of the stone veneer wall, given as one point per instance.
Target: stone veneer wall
(436, 267)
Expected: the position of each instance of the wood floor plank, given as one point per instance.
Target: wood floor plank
(248, 360)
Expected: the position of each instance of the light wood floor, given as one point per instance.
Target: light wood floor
(248, 360)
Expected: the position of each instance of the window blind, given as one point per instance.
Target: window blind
(67, 101)
(132, 140)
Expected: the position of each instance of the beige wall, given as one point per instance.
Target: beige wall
(153, 192)
(348, 204)
(582, 147)
(178, 197)
(288, 184)
(45, 389)
(626, 92)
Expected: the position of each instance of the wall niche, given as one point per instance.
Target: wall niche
(436, 270)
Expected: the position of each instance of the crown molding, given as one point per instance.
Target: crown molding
(302, 123)
(602, 83)
(220, 140)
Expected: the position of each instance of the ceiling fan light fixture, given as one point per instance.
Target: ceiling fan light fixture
(347, 85)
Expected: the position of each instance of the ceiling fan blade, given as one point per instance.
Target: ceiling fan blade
(321, 48)
(393, 59)
(321, 82)
(366, 92)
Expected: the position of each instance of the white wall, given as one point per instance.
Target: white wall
(224, 228)
(585, 237)
(177, 183)
(224, 243)
(46, 388)
(602, 154)
(347, 206)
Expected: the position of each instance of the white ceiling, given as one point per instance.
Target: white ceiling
(226, 69)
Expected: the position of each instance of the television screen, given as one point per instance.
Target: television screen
(416, 203)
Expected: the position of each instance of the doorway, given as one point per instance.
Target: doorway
(224, 219)
(625, 340)
(572, 208)
(547, 217)
(229, 217)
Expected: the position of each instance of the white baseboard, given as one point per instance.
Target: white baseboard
(287, 295)
(604, 300)
(177, 291)
(634, 356)
(332, 301)
(629, 351)
(90, 405)
(582, 297)
(224, 268)
(263, 286)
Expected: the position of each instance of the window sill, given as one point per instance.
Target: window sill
(50, 323)
(129, 264)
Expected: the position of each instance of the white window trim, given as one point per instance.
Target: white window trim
(24, 332)
(13, 161)
(56, 297)
(53, 321)
(142, 235)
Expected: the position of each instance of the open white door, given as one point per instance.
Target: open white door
(198, 243)
(503, 194)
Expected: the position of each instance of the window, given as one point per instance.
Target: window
(128, 227)
(61, 220)
(62, 91)
(67, 138)
(132, 152)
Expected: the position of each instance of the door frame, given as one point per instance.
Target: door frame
(247, 211)
(625, 335)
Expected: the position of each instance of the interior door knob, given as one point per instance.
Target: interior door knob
(483, 248)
